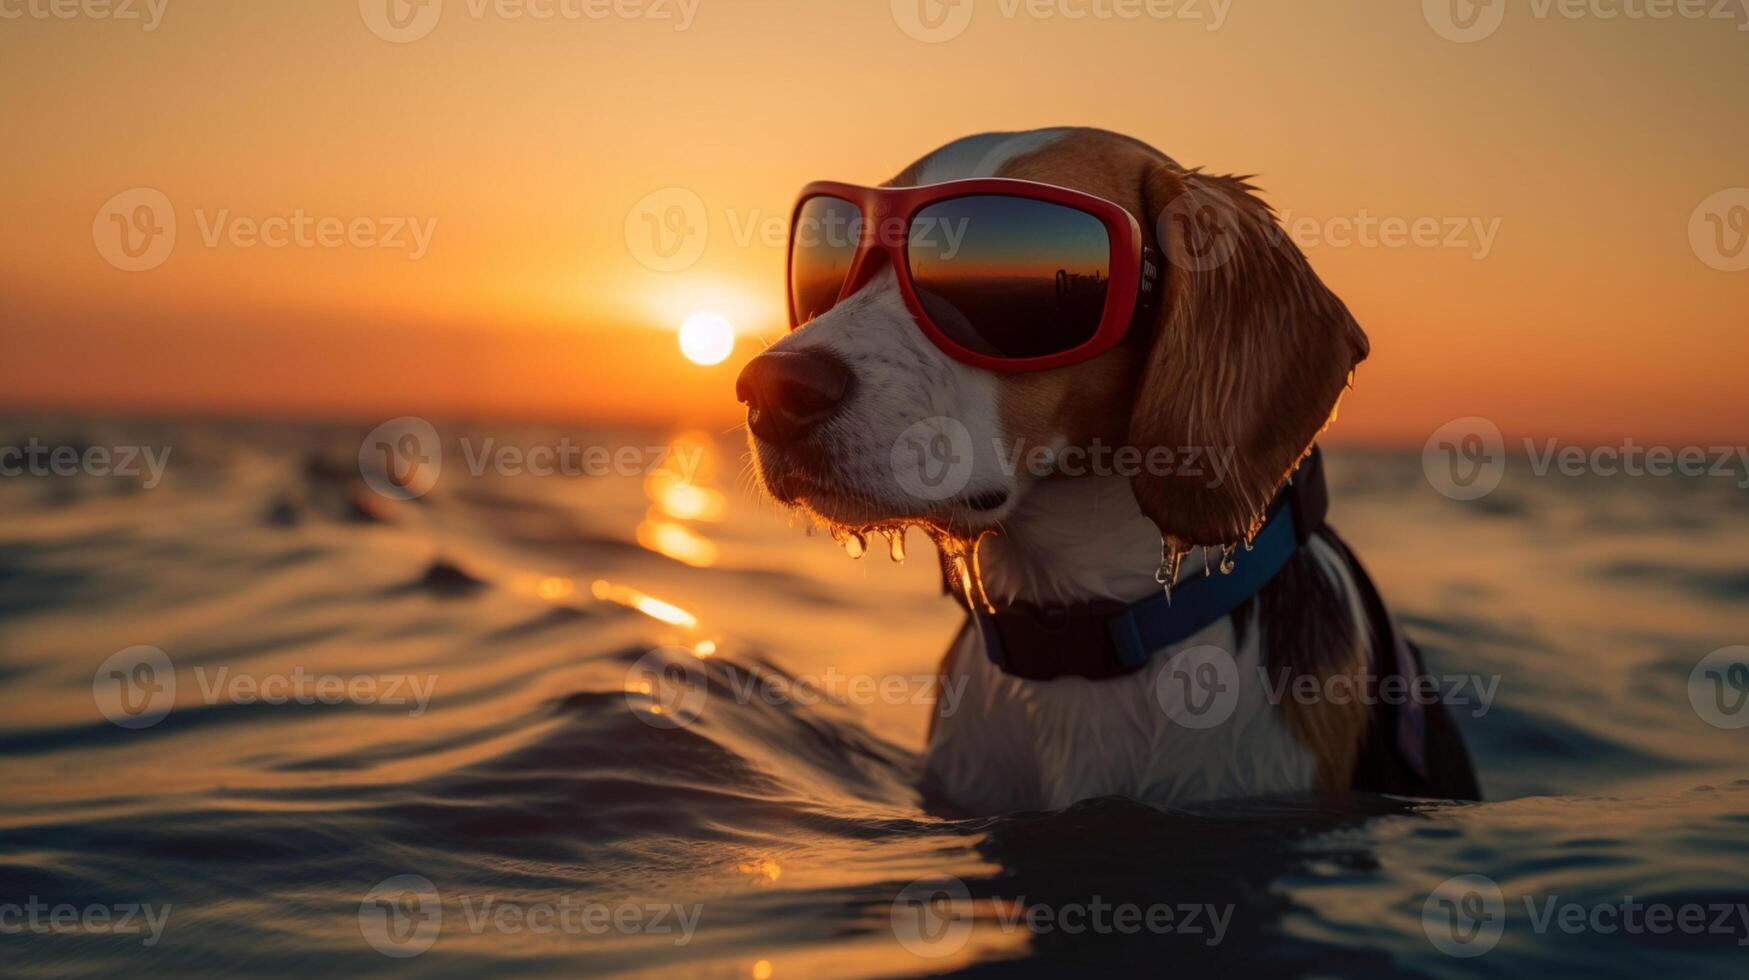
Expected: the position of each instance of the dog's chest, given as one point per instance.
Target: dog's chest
(1003, 744)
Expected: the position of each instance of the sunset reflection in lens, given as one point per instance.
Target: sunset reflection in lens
(1010, 276)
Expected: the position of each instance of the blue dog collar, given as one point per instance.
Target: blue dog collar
(1038, 643)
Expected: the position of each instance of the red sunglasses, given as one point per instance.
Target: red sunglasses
(1006, 275)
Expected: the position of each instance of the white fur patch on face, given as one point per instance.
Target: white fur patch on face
(984, 155)
(918, 435)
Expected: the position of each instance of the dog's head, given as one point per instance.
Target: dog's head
(862, 421)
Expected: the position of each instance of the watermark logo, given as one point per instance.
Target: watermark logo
(1200, 229)
(402, 458)
(1718, 688)
(402, 916)
(933, 21)
(667, 687)
(1464, 21)
(401, 21)
(1718, 231)
(667, 230)
(1465, 916)
(932, 458)
(135, 231)
(135, 688)
(1465, 459)
(932, 917)
(1199, 687)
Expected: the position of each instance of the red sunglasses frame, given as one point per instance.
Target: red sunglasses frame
(1130, 286)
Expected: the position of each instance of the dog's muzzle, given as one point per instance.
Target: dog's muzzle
(790, 393)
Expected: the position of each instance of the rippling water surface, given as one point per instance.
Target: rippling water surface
(477, 762)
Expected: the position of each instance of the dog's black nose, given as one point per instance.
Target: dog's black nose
(788, 393)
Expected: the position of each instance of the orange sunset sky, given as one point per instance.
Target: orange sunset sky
(1586, 145)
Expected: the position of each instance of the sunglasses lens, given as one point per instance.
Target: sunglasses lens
(821, 247)
(1010, 276)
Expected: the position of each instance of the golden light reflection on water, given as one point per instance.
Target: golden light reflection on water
(650, 606)
(680, 495)
(762, 970)
(679, 542)
(554, 588)
(682, 500)
(763, 869)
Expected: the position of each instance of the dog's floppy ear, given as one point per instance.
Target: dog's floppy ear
(1250, 355)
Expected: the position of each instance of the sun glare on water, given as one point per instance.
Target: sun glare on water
(707, 338)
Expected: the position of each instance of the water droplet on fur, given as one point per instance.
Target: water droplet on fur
(1171, 561)
(855, 545)
(1227, 558)
(896, 545)
(959, 559)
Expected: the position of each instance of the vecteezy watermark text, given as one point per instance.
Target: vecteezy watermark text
(668, 687)
(935, 459)
(1465, 459)
(932, 917)
(403, 916)
(33, 915)
(36, 459)
(403, 458)
(1097, 458)
(667, 230)
(136, 230)
(1364, 229)
(1204, 230)
(1200, 688)
(147, 13)
(1630, 459)
(567, 458)
(1466, 916)
(136, 688)
(300, 229)
(1469, 21)
(936, 21)
(405, 21)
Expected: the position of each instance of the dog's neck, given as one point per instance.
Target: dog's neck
(1073, 540)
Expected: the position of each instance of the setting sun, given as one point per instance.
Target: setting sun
(707, 338)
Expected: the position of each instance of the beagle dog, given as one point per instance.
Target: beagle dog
(1088, 648)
